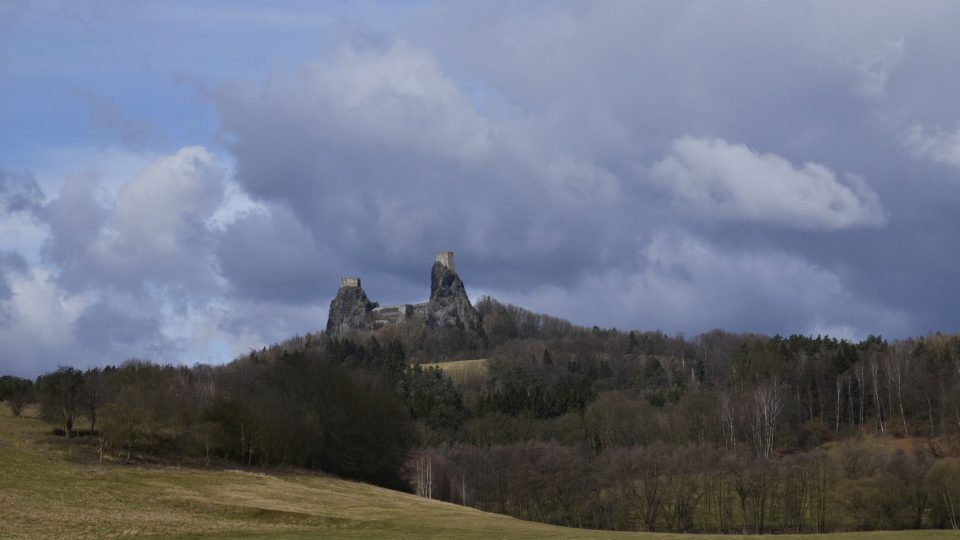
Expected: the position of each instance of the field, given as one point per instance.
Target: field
(49, 489)
(461, 370)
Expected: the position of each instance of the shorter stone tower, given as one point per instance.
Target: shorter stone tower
(351, 281)
(446, 258)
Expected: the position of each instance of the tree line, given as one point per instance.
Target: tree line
(577, 426)
(328, 405)
(659, 487)
(720, 433)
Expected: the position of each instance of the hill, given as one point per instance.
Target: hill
(52, 489)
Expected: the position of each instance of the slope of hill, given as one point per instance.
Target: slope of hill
(460, 370)
(54, 490)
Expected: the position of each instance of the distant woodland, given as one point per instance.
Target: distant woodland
(597, 428)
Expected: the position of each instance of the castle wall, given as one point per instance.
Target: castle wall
(446, 258)
(392, 314)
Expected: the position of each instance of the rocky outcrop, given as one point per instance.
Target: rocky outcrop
(350, 311)
(449, 305)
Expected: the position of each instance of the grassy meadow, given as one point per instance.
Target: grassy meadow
(52, 489)
(461, 370)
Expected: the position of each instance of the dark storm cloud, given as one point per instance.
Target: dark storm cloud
(103, 328)
(270, 256)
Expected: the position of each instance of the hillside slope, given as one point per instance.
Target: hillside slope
(48, 490)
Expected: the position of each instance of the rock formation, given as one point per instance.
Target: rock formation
(449, 307)
(350, 310)
(448, 303)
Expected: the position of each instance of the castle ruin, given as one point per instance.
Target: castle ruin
(351, 310)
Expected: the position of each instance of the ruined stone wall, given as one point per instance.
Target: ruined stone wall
(392, 314)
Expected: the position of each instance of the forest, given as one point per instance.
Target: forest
(584, 427)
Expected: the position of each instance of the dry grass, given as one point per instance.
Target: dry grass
(53, 490)
(460, 371)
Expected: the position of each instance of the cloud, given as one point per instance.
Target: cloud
(385, 160)
(11, 263)
(171, 263)
(46, 326)
(685, 284)
(104, 328)
(875, 68)
(19, 192)
(940, 146)
(153, 234)
(267, 255)
(716, 180)
(37, 333)
(107, 117)
(538, 140)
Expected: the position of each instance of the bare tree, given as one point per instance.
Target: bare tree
(896, 362)
(768, 403)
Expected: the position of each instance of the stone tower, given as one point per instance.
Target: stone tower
(446, 258)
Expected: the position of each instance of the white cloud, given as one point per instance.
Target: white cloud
(716, 180)
(154, 211)
(940, 146)
(37, 334)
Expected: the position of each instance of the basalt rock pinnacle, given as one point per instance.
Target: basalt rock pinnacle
(448, 308)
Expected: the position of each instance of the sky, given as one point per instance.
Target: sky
(187, 181)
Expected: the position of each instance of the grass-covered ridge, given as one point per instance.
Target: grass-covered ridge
(49, 489)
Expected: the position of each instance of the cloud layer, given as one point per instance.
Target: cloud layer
(681, 166)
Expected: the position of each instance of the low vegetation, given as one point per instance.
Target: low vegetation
(51, 488)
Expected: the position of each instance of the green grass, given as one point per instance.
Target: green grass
(461, 370)
(53, 490)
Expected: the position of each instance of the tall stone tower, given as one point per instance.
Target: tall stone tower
(446, 258)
